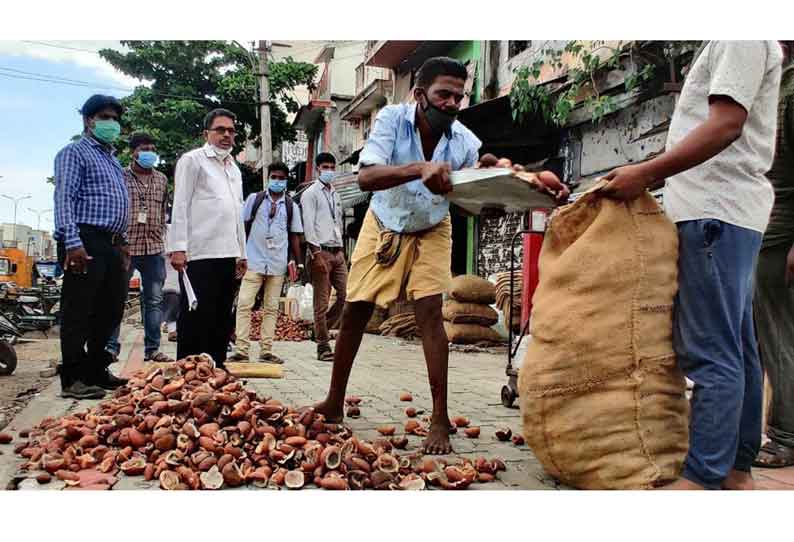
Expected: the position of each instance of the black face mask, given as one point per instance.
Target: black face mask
(438, 119)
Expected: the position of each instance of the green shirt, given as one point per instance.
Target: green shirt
(781, 222)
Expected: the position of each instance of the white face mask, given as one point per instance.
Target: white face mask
(222, 153)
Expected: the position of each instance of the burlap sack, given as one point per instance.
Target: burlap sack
(469, 313)
(470, 334)
(602, 399)
(472, 289)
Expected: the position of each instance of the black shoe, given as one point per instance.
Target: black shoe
(108, 381)
(79, 390)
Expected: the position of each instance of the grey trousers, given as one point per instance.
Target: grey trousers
(774, 319)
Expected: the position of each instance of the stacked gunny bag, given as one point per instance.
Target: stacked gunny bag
(503, 301)
(602, 400)
(468, 316)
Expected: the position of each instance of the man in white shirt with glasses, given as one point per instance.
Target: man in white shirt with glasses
(207, 238)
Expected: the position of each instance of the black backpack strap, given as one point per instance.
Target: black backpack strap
(260, 197)
(290, 211)
(288, 203)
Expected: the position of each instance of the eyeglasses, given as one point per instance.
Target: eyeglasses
(220, 130)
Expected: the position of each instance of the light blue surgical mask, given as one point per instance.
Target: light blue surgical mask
(277, 185)
(106, 131)
(327, 176)
(147, 159)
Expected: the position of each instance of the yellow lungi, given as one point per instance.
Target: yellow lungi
(422, 266)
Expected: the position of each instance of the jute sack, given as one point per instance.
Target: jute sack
(601, 397)
(472, 289)
(470, 334)
(469, 313)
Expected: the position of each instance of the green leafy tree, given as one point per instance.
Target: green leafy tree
(188, 79)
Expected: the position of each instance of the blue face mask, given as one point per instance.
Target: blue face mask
(327, 176)
(277, 185)
(147, 159)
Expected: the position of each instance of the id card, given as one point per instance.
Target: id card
(142, 217)
(270, 243)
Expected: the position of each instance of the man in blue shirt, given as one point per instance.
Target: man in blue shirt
(272, 247)
(91, 215)
(405, 240)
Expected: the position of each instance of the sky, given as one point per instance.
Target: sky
(39, 118)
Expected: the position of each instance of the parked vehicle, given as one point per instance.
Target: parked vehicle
(9, 333)
(29, 309)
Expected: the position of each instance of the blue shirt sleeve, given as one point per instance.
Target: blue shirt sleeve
(380, 143)
(69, 172)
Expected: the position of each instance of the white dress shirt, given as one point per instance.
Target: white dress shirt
(206, 221)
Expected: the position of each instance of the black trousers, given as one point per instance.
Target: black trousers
(208, 328)
(92, 306)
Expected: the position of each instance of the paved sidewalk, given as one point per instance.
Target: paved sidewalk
(385, 367)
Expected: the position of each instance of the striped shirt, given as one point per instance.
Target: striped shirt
(89, 189)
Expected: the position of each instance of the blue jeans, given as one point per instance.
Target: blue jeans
(714, 339)
(152, 270)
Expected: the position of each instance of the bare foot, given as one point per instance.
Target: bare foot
(332, 413)
(437, 441)
(682, 484)
(739, 480)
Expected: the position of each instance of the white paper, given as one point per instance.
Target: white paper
(192, 302)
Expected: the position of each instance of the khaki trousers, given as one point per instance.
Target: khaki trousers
(249, 287)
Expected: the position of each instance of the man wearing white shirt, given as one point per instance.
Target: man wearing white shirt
(720, 144)
(322, 227)
(207, 238)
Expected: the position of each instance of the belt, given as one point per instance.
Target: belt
(332, 250)
(114, 238)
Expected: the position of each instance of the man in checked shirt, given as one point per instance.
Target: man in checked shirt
(148, 189)
(91, 215)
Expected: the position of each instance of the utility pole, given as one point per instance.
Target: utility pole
(38, 214)
(264, 109)
(16, 204)
(264, 104)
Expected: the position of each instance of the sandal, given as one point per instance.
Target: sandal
(159, 357)
(774, 456)
(271, 358)
(237, 357)
(325, 354)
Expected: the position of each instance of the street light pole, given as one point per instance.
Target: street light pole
(38, 213)
(16, 204)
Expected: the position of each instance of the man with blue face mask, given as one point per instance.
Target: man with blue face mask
(322, 219)
(273, 225)
(148, 189)
(91, 215)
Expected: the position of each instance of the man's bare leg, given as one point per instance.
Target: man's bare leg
(436, 348)
(739, 480)
(355, 317)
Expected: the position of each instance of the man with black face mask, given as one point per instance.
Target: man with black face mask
(405, 240)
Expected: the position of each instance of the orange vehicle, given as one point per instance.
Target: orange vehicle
(16, 267)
